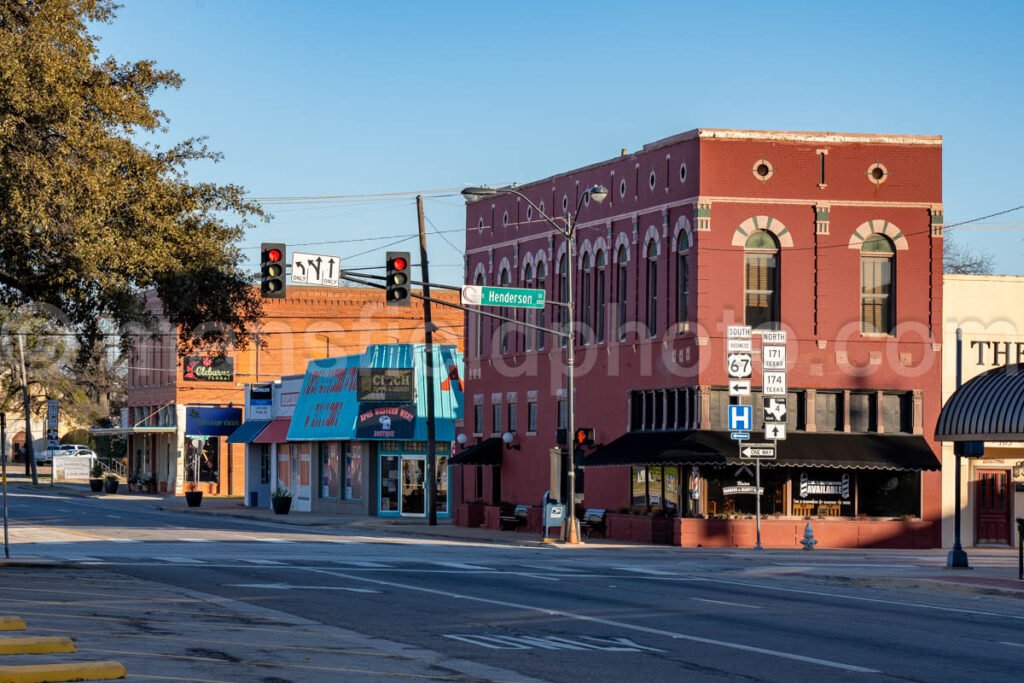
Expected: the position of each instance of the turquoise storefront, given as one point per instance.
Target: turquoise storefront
(369, 456)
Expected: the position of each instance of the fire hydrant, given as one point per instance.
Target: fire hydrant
(808, 541)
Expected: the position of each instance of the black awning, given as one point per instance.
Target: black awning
(990, 407)
(801, 449)
(487, 452)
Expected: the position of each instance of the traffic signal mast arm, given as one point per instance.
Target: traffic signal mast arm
(346, 275)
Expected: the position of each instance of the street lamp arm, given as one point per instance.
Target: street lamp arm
(490, 192)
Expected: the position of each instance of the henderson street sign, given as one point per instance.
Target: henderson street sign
(513, 297)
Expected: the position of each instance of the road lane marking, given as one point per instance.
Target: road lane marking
(609, 622)
(180, 560)
(364, 565)
(113, 516)
(459, 565)
(1006, 642)
(194, 540)
(507, 642)
(266, 562)
(723, 602)
(288, 587)
(858, 598)
(642, 570)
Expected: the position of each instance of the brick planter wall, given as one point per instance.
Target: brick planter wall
(787, 533)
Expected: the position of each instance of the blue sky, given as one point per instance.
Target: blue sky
(313, 98)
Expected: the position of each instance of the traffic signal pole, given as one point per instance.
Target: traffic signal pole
(428, 345)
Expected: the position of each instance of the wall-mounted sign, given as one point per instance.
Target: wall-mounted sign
(261, 401)
(200, 421)
(386, 385)
(386, 422)
(208, 369)
(827, 491)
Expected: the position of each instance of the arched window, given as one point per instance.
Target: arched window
(877, 285)
(478, 325)
(652, 288)
(530, 316)
(683, 278)
(542, 273)
(762, 281)
(503, 281)
(586, 303)
(600, 275)
(563, 293)
(621, 292)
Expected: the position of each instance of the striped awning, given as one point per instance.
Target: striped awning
(989, 407)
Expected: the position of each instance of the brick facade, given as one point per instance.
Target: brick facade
(820, 200)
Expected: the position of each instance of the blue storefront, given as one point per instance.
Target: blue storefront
(364, 420)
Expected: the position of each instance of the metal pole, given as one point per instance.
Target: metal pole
(957, 558)
(3, 465)
(30, 452)
(428, 347)
(570, 361)
(757, 490)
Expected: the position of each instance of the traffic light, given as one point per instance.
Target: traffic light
(398, 278)
(272, 271)
(584, 437)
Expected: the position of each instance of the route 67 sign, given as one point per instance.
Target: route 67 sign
(739, 365)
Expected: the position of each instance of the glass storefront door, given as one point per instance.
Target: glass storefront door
(413, 492)
(389, 483)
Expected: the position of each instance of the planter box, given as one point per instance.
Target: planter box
(619, 526)
(640, 528)
(492, 517)
(534, 519)
(281, 505)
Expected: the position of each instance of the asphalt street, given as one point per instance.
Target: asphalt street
(483, 611)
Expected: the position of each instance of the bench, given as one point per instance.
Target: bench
(512, 521)
(593, 520)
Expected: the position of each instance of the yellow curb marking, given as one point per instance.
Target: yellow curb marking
(58, 673)
(12, 624)
(35, 645)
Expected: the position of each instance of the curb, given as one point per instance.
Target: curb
(36, 645)
(38, 563)
(58, 673)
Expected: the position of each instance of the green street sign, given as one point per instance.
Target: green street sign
(513, 297)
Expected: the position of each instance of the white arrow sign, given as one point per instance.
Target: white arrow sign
(758, 451)
(315, 269)
(775, 431)
(739, 387)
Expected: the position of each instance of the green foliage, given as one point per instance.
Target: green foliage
(90, 217)
(80, 436)
(281, 492)
(97, 470)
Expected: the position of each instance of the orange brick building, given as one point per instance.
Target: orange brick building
(169, 395)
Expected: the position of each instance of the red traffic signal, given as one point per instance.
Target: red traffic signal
(397, 289)
(272, 271)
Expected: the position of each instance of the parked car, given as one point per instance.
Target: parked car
(67, 449)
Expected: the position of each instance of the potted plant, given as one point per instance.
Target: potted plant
(149, 484)
(281, 500)
(96, 477)
(110, 483)
(193, 496)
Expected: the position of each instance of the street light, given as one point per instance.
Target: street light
(567, 229)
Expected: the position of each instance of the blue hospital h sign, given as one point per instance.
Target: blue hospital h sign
(741, 418)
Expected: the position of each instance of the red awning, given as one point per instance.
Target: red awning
(275, 432)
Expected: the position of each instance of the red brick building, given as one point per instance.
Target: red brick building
(834, 238)
(167, 393)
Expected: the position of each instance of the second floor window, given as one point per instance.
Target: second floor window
(541, 319)
(621, 292)
(761, 271)
(652, 288)
(531, 317)
(477, 322)
(586, 307)
(683, 279)
(600, 271)
(877, 257)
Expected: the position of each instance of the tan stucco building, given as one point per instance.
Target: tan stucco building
(989, 310)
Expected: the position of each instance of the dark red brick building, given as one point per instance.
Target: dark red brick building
(834, 238)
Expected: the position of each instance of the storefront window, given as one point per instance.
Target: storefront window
(389, 483)
(354, 471)
(442, 484)
(656, 487)
(823, 493)
(889, 494)
(204, 454)
(284, 469)
(639, 483)
(733, 491)
(330, 474)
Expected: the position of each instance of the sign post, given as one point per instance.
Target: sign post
(3, 464)
(52, 423)
(739, 365)
(774, 388)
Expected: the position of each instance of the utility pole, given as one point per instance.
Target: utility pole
(3, 463)
(428, 346)
(30, 455)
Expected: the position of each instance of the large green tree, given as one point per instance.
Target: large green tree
(92, 214)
